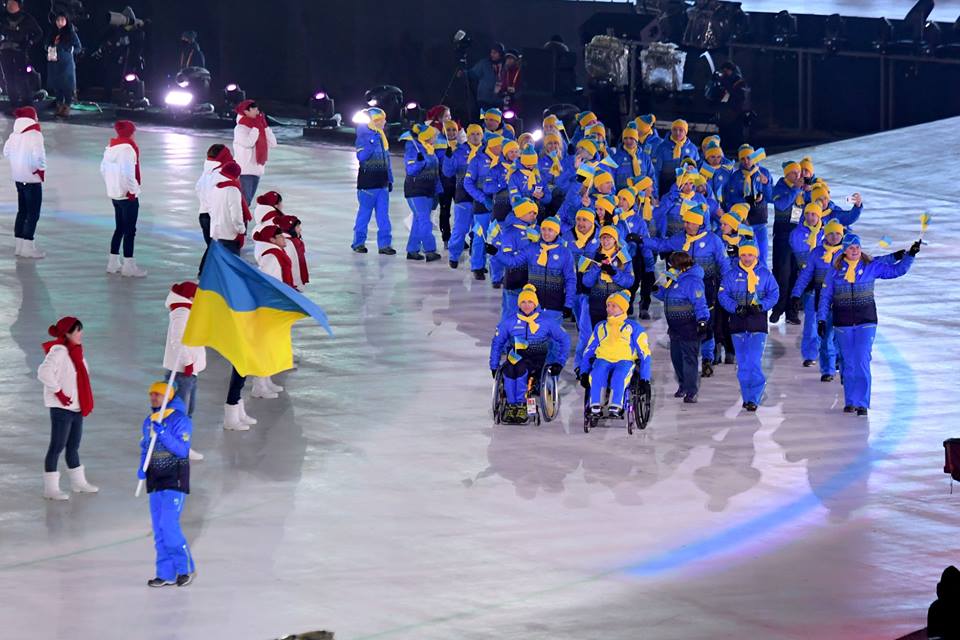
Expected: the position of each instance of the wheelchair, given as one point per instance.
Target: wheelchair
(543, 397)
(637, 409)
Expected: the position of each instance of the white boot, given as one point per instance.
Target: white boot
(131, 270)
(28, 249)
(244, 418)
(16, 251)
(271, 385)
(195, 455)
(231, 418)
(260, 389)
(113, 264)
(78, 481)
(51, 486)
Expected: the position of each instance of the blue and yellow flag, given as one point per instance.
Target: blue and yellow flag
(584, 263)
(246, 315)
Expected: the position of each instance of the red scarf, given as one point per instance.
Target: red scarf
(118, 141)
(247, 216)
(302, 257)
(34, 127)
(84, 391)
(286, 265)
(260, 122)
(181, 305)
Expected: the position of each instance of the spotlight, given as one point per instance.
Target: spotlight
(538, 135)
(134, 93)
(360, 117)
(509, 114)
(412, 112)
(389, 98)
(785, 29)
(323, 113)
(178, 99)
(372, 102)
(232, 96)
(29, 68)
(198, 81)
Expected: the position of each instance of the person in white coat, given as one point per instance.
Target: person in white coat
(252, 140)
(121, 175)
(28, 162)
(269, 206)
(296, 250)
(228, 211)
(187, 361)
(270, 249)
(217, 156)
(69, 396)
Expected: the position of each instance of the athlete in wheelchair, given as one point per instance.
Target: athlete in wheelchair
(617, 360)
(525, 384)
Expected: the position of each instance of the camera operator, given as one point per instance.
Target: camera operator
(730, 93)
(190, 53)
(18, 32)
(485, 74)
(62, 48)
(508, 83)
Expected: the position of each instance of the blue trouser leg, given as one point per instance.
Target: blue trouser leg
(515, 381)
(828, 349)
(599, 379)
(810, 341)
(707, 346)
(421, 230)
(584, 330)
(478, 255)
(509, 306)
(619, 379)
(384, 228)
(760, 235)
(186, 391)
(496, 269)
(749, 347)
(370, 200)
(173, 553)
(856, 347)
(686, 364)
(462, 219)
(248, 188)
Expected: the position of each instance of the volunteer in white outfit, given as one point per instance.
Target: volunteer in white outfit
(269, 206)
(252, 141)
(189, 361)
(217, 156)
(121, 174)
(270, 249)
(228, 211)
(28, 162)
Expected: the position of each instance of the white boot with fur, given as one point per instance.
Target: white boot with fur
(78, 481)
(51, 486)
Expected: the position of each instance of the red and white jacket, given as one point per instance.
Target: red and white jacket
(119, 170)
(57, 373)
(175, 353)
(263, 214)
(274, 261)
(24, 149)
(245, 147)
(207, 182)
(226, 211)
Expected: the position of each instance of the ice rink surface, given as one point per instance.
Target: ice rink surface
(376, 498)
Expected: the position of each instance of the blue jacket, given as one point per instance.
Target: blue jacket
(784, 198)
(734, 292)
(650, 144)
(813, 273)
(517, 185)
(510, 237)
(798, 243)
(708, 252)
(843, 216)
(550, 342)
(666, 215)
(734, 193)
(375, 171)
(483, 74)
(625, 171)
(853, 303)
(640, 348)
(423, 175)
(662, 156)
(589, 249)
(632, 222)
(718, 181)
(546, 163)
(684, 304)
(62, 74)
(484, 182)
(597, 285)
(455, 166)
(169, 466)
(556, 282)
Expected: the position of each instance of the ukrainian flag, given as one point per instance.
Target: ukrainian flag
(246, 315)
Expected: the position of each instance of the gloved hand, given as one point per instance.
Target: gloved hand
(448, 152)
(140, 474)
(755, 309)
(608, 269)
(795, 304)
(490, 249)
(634, 238)
(390, 188)
(741, 310)
(555, 369)
(585, 380)
(898, 255)
(419, 157)
(493, 373)
(732, 251)
(822, 329)
(567, 313)
(64, 399)
(915, 248)
(158, 428)
(703, 328)
(188, 370)
(571, 149)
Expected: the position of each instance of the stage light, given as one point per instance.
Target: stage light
(412, 113)
(232, 96)
(130, 77)
(183, 83)
(834, 29)
(198, 79)
(29, 68)
(134, 93)
(389, 98)
(323, 113)
(319, 95)
(360, 117)
(509, 114)
(785, 29)
(537, 135)
(411, 105)
(178, 99)
(372, 103)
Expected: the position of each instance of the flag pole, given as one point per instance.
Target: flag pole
(153, 432)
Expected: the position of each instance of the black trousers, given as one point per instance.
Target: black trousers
(785, 268)
(13, 63)
(66, 429)
(642, 282)
(721, 330)
(236, 387)
(125, 214)
(205, 230)
(29, 199)
(445, 200)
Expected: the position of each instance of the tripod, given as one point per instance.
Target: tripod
(461, 72)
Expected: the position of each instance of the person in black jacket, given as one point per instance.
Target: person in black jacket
(18, 32)
(190, 53)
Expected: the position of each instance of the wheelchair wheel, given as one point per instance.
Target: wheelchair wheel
(499, 397)
(630, 415)
(549, 399)
(586, 412)
(642, 405)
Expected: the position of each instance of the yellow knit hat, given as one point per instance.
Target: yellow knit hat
(818, 193)
(161, 388)
(742, 209)
(510, 146)
(525, 207)
(815, 208)
(833, 226)
(586, 214)
(621, 299)
(602, 177)
(807, 163)
(630, 196)
(528, 293)
(790, 166)
(553, 222)
(589, 146)
(474, 128)
(610, 230)
(680, 123)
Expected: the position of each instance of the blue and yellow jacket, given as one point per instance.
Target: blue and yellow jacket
(632, 221)
(455, 166)
(483, 182)
(423, 176)
(852, 303)
(734, 291)
(514, 337)
(717, 178)
(590, 246)
(707, 251)
(738, 188)
(375, 171)
(798, 243)
(512, 237)
(666, 215)
(624, 175)
(618, 340)
(784, 198)
(556, 278)
(684, 303)
(600, 285)
(519, 185)
(846, 217)
(650, 143)
(169, 466)
(814, 270)
(662, 156)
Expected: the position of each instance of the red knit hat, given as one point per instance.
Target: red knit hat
(63, 326)
(286, 223)
(267, 233)
(231, 170)
(270, 198)
(186, 289)
(243, 106)
(124, 128)
(222, 156)
(25, 112)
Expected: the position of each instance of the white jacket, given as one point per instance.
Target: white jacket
(266, 262)
(295, 263)
(57, 373)
(258, 214)
(25, 152)
(175, 353)
(119, 170)
(208, 180)
(226, 212)
(245, 148)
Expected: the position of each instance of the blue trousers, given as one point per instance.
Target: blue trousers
(186, 391)
(686, 364)
(496, 269)
(515, 380)
(749, 348)
(760, 235)
(708, 346)
(248, 188)
(478, 254)
(509, 306)
(421, 231)
(173, 553)
(29, 200)
(856, 348)
(612, 375)
(810, 341)
(462, 221)
(125, 213)
(828, 349)
(370, 200)
(584, 330)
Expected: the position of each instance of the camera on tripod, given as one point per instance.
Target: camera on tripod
(461, 43)
(72, 9)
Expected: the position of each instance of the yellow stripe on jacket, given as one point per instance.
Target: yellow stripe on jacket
(615, 340)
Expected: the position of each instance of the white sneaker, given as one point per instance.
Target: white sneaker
(78, 481)
(113, 264)
(51, 486)
(19, 246)
(231, 418)
(244, 418)
(195, 455)
(28, 249)
(271, 385)
(260, 390)
(131, 270)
